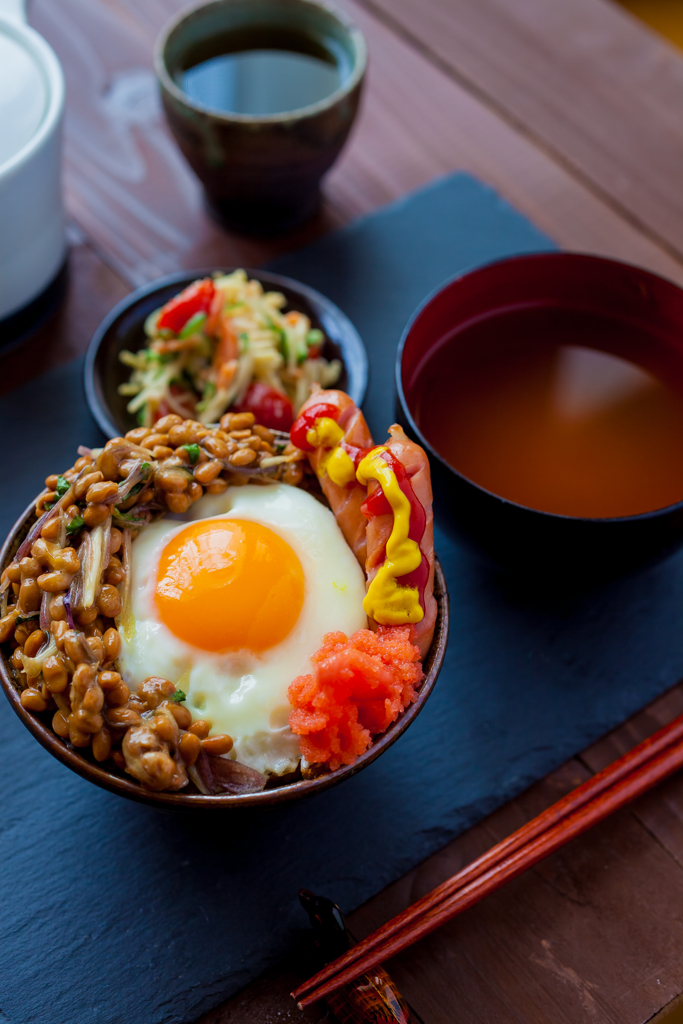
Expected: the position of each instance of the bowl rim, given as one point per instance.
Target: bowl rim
(126, 786)
(51, 71)
(166, 82)
(424, 441)
(358, 356)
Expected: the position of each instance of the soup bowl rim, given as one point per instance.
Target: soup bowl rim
(426, 443)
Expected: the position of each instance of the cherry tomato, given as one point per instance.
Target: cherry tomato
(196, 298)
(270, 407)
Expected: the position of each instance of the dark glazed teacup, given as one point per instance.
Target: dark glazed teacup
(261, 172)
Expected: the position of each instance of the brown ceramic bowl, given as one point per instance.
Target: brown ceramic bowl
(261, 172)
(39, 724)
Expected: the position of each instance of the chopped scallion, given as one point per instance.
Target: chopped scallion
(126, 517)
(26, 618)
(193, 452)
(76, 524)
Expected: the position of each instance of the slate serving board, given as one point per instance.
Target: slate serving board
(113, 913)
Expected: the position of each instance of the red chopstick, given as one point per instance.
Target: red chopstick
(617, 784)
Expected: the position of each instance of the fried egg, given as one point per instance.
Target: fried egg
(231, 602)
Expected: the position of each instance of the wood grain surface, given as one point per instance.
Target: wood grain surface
(593, 933)
(132, 194)
(583, 79)
(572, 111)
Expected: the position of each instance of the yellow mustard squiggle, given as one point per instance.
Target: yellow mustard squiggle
(334, 461)
(386, 601)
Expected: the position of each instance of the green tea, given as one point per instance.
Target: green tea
(261, 73)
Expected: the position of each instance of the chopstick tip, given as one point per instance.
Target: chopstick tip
(295, 997)
(300, 997)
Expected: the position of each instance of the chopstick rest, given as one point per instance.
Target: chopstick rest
(370, 997)
(623, 780)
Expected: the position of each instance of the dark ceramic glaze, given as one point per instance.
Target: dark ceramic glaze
(123, 328)
(82, 763)
(261, 174)
(513, 535)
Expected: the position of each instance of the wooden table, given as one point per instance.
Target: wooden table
(574, 112)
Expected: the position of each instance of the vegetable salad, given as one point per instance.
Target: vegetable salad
(225, 344)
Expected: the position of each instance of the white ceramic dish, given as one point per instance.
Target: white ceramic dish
(32, 241)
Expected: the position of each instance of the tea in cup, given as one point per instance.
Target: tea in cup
(261, 96)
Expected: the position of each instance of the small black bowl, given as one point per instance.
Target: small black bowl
(123, 328)
(646, 309)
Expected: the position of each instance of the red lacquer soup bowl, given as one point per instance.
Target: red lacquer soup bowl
(611, 312)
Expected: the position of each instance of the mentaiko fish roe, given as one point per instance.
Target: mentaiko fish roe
(358, 687)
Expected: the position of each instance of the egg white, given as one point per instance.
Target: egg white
(243, 693)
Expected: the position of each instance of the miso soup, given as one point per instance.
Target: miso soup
(537, 406)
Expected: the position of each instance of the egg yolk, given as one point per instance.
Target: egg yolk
(229, 585)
